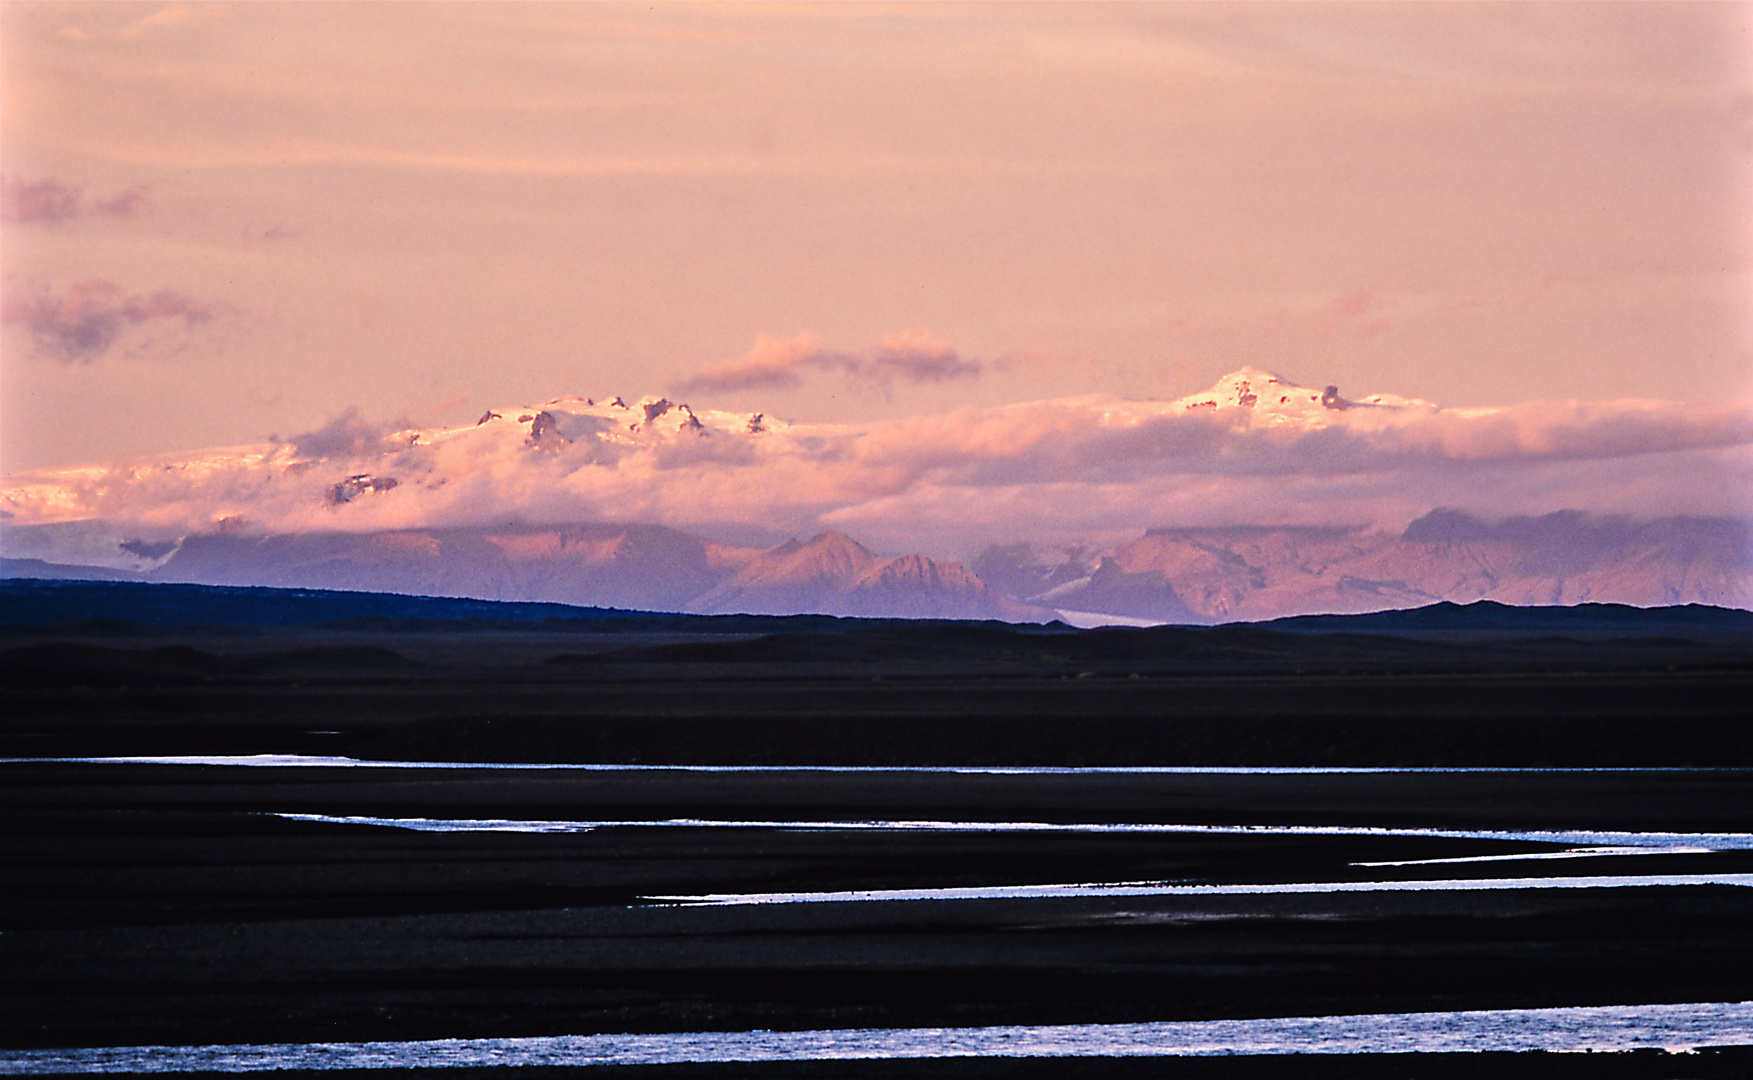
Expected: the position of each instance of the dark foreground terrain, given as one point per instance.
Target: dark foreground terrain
(177, 904)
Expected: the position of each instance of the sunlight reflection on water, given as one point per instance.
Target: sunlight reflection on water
(1161, 888)
(1642, 842)
(283, 761)
(1615, 1028)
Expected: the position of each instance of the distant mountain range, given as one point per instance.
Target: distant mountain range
(1168, 575)
(352, 507)
(1252, 573)
(632, 567)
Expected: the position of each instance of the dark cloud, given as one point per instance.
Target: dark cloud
(914, 358)
(49, 201)
(82, 324)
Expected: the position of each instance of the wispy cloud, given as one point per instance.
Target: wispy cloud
(85, 321)
(255, 235)
(173, 15)
(916, 357)
(122, 204)
(1357, 314)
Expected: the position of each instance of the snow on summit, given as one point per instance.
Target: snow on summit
(1274, 401)
(1254, 447)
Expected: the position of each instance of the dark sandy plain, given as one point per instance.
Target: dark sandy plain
(169, 904)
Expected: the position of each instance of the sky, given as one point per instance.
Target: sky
(230, 224)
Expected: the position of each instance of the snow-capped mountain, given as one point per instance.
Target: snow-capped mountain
(656, 460)
(610, 501)
(351, 475)
(1273, 402)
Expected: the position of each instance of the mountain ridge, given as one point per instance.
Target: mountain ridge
(1179, 575)
(1255, 573)
(628, 567)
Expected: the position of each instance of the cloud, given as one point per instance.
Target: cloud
(50, 202)
(915, 357)
(348, 435)
(1086, 469)
(123, 204)
(83, 323)
(47, 201)
(174, 15)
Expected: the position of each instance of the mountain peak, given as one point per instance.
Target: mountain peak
(1244, 388)
(1277, 400)
(834, 540)
(1247, 373)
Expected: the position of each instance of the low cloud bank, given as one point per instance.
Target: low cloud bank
(1251, 450)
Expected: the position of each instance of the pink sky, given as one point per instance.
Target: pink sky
(225, 222)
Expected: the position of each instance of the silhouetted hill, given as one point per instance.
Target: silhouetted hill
(31, 602)
(1489, 641)
(111, 607)
(1489, 615)
(114, 607)
(126, 668)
